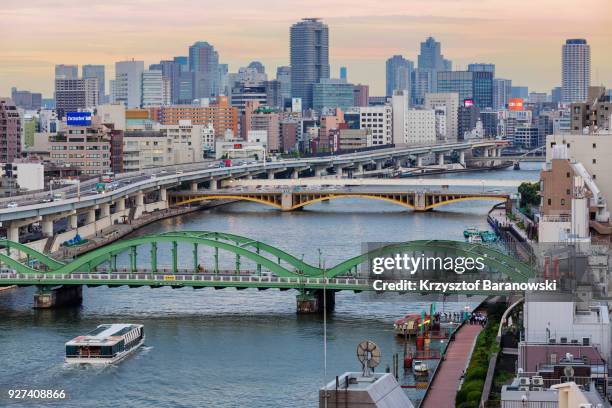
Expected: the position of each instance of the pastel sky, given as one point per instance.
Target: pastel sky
(522, 37)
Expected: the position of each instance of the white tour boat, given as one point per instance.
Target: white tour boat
(106, 344)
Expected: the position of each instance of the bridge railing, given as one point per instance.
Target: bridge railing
(149, 277)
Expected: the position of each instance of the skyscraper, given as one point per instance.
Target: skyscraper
(66, 71)
(75, 94)
(502, 90)
(398, 74)
(478, 67)
(204, 63)
(283, 75)
(343, 73)
(576, 70)
(431, 59)
(127, 86)
(461, 82)
(309, 55)
(96, 71)
(482, 83)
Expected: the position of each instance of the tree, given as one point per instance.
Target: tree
(530, 194)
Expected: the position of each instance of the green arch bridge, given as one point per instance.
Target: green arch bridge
(255, 264)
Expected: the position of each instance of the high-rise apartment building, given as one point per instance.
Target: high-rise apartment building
(127, 86)
(10, 131)
(379, 121)
(154, 91)
(204, 64)
(75, 94)
(66, 71)
(576, 70)
(502, 91)
(398, 74)
(309, 55)
(96, 71)
(449, 103)
(594, 115)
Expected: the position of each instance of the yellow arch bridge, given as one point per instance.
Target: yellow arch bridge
(293, 200)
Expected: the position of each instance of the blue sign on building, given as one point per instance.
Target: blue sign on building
(78, 118)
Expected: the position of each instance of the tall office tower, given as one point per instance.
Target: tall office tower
(332, 93)
(576, 70)
(482, 84)
(26, 100)
(66, 71)
(309, 55)
(204, 63)
(283, 75)
(75, 94)
(431, 59)
(171, 72)
(258, 66)
(10, 131)
(153, 92)
(183, 61)
(555, 94)
(96, 71)
(127, 86)
(519, 92)
(399, 72)
(273, 93)
(420, 84)
(481, 67)
(224, 88)
(343, 73)
(361, 94)
(502, 89)
(461, 82)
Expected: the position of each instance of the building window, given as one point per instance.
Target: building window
(594, 145)
(549, 201)
(568, 191)
(567, 174)
(594, 176)
(594, 161)
(563, 201)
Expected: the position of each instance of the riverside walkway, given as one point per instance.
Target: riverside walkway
(441, 393)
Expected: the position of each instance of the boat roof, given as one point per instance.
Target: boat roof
(104, 335)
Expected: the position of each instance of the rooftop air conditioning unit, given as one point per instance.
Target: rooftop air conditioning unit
(586, 341)
(523, 388)
(563, 340)
(537, 380)
(574, 341)
(537, 388)
(524, 381)
(585, 406)
(552, 341)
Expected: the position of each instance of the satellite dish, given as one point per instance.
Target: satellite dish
(368, 354)
(568, 371)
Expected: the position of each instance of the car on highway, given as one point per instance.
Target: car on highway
(12, 204)
(179, 172)
(47, 199)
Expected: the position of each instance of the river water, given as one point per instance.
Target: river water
(230, 348)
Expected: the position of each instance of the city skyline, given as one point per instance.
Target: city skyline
(525, 48)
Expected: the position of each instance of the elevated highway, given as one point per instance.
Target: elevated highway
(88, 212)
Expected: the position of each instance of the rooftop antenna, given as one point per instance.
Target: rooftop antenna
(368, 354)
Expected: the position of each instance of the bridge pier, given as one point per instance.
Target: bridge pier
(194, 186)
(120, 204)
(90, 217)
(318, 171)
(47, 227)
(46, 298)
(462, 157)
(104, 210)
(73, 221)
(440, 159)
(212, 184)
(379, 165)
(312, 301)
(419, 161)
